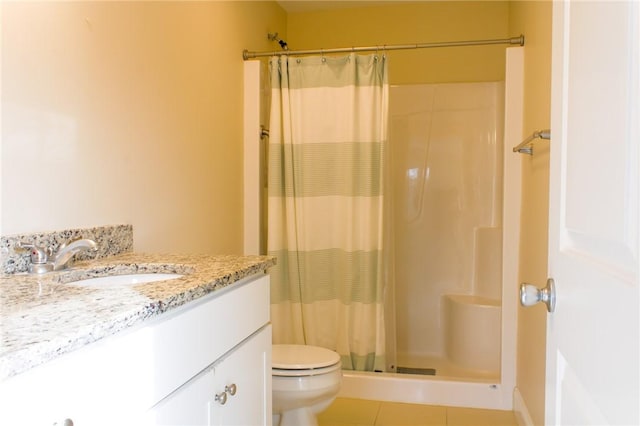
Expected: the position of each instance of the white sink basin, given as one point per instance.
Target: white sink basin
(123, 280)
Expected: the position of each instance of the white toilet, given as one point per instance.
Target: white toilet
(306, 380)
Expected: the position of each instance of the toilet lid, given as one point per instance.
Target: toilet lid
(302, 357)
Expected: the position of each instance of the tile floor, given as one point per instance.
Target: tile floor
(360, 412)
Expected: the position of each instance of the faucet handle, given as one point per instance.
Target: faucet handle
(39, 258)
(38, 254)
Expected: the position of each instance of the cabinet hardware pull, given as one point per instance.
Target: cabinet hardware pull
(231, 389)
(221, 398)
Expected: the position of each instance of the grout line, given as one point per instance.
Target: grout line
(375, 420)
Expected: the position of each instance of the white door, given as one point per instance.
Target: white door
(592, 337)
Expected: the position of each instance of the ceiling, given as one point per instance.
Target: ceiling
(294, 6)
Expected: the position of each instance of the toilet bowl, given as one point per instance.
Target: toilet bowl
(305, 381)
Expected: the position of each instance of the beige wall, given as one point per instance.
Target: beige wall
(533, 18)
(414, 22)
(128, 112)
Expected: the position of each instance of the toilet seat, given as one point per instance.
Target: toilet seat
(303, 360)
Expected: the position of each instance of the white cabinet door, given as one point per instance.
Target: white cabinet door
(248, 367)
(592, 338)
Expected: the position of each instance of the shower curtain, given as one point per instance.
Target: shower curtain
(327, 140)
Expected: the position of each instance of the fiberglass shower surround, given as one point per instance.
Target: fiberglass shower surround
(447, 146)
(484, 392)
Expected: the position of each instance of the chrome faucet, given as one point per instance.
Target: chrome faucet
(45, 260)
(63, 258)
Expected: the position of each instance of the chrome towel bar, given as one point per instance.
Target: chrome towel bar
(526, 147)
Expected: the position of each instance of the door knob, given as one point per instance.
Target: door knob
(530, 295)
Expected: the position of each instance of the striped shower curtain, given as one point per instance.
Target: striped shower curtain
(327, 140)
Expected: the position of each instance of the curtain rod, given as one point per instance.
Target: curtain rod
(513, 40)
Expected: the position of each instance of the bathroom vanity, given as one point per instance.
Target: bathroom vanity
(191, 350)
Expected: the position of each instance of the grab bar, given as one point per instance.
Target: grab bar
(525, 147)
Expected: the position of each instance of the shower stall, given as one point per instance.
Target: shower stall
(451, 311)
(446, 146)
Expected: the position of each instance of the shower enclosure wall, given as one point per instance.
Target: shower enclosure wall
(446, 146)
(456, 218)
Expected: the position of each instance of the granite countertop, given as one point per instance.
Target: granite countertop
(44, 316)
